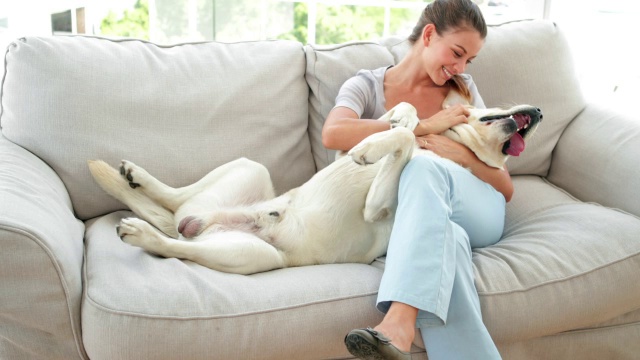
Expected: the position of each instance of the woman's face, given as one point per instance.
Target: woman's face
(449, 54)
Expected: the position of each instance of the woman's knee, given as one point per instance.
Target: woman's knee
(425, 166)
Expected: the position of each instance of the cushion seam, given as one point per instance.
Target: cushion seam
(593, 329)
(226, 316)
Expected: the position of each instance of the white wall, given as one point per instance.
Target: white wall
(604, 40)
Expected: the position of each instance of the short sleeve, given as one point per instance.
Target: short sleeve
(357, 94)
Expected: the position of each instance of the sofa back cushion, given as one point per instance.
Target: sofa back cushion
(328, 67)
(525, 62)
(529, 62)
(178, 111)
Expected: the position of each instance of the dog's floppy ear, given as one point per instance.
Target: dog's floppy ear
(454, 98)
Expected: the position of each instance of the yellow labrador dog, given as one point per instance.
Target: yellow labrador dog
(231, 221)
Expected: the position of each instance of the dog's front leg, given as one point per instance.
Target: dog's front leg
(396, 147)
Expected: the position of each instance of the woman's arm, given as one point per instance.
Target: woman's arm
(498, 178)
(343, 129)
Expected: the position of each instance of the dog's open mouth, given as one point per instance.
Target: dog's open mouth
(516, 145)
(520, 123)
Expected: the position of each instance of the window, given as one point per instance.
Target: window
(307, 21)
(173, 21)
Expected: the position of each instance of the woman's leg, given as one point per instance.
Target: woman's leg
(464, 335)
(427, 266)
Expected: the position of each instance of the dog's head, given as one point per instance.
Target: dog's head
(495, 134)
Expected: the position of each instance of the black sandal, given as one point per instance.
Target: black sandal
(369, 344)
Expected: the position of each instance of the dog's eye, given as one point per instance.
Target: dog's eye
(274, 213)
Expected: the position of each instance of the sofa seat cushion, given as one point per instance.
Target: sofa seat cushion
(178, 111)
(140, 306)
(557, 250)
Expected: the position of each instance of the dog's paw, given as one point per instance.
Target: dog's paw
(137, 232)
(404, 115)
(361, 154)
(370, 150)
(134, 174)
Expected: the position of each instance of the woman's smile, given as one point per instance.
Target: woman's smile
(447, 74)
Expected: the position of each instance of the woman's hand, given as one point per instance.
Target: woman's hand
(442, 120)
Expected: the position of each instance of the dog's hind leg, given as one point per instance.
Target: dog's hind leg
(232, 251)
(241, 181)
(396, 147)
(115, 185)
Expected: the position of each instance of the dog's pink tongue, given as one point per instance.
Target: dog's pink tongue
(516, 145)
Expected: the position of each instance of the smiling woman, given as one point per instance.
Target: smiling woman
(433, 239)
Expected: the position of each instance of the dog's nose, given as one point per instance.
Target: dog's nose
(539, 112)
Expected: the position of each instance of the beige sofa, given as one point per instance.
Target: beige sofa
(562, 284)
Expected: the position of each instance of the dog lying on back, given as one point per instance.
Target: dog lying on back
(231, 220)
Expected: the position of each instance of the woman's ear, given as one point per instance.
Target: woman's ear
(427, 34)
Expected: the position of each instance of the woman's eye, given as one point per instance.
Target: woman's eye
(457, 54)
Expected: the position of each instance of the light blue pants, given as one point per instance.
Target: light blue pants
(443, 212)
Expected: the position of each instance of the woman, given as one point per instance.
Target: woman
(444, 209)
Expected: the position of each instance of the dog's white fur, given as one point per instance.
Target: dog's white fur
(231, 221)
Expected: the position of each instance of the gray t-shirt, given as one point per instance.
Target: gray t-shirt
(364, 93)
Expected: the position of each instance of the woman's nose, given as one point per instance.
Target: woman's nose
(460, 67)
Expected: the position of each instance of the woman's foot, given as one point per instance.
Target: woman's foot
(391, 339)
(399, 325)
(369, 344)
(400, 336)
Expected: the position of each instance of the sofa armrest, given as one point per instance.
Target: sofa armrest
(596, 158)
(40, 261)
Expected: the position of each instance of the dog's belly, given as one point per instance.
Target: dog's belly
(340, 237)
(334, 203)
